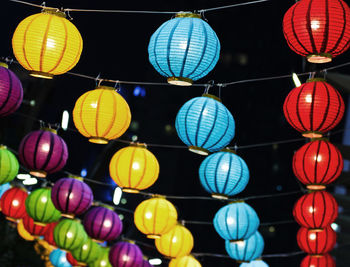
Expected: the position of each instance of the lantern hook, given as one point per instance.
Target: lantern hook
(9, 60)
(68, 13)
(208, 86)
(117, 85)
(312, 75)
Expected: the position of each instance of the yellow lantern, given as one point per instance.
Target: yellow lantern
(47, 44)
(185, 261)
(101, 115)
(155, 217)
(23, 232)
(134, 168)
(176, 243)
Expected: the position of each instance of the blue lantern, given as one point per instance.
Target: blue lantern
(4, 188)
(58, 258)
(256, 263)
(246, 250)
(205, 125)
(236, 221)
(224, 174)
(184, 49)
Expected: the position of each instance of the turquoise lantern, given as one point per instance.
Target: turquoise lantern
(205, 125)
(58, 258)
(256, 263)
(4, 188)
(246, 250)
(236, 221)
(224, 174)
(184, 49)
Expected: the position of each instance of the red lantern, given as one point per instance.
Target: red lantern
(317, 164)
(318, 29)
(13, 203)
(314, 108)
(316, 210)
(73, 261)
(33, 228)
(316, 242)
(48, 236)
(318, 261)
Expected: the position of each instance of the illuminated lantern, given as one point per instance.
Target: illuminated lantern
(8, 165)
(88, 252)
(32, 228)
(48, 236)
(43, 152)
(256, 263)
(316, 242)
(223, 174)
(155, 217)
(146, 263)
(11, 91)
(176, 243)
(205, 125)
(71, 196)
(325, 260)
(316, 210)
(318, 29)
(69, 234)
(101, 115)
(185, 261)
(103, 260)
(314, 108)
(23, 232)
(246, 250)
(47, 44)
(236, 221)
(102, 224)
(58, 258)
(134, 168)
(125, 254)
(317, 164)
(13, 203)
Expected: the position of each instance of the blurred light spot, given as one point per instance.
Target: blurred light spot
(155, 261)
(23, 176)
(134, 138)
(117, 195)
(272, 229)
(123, 201)
(30, 181)
(296, 80)
(65, 120)
(83, 173)
(121, 216)
(134, 125)
(279, 188)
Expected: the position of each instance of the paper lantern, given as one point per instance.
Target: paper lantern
(48, 236)
(125, 254)
(223, 174)
(134, 168)
(47, 44)
(33, 228)
(43, 152)
(69, 234)
(71, 196)
(316, 210)
(103, 260)
(325, 260)
(318, 29)
(256, 263)
(314, 108)
(101, 115)
(13, 203)
(58, 258)
(88, 252)
(316, 242)
(205, 125)
(185, 261)
(8, 165)
(176, 243)
(146, 263)
(23, 232)
(246, 250)
(236, 221)
(11, 91)
(184, 49)
(73, 261)
(155, 217)
(102, 224)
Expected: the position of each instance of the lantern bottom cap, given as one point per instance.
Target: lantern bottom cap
(130, 190)
(97, 240)
(153, 236)
(68, 215)
(319, 58)
(12, 219)
(316, 229)
(237, 241)
(180, 81)
(199, 150)
(40, 74)
(40, 223)
(81, 263)
(316, 187)
(38, 173)
(312, 134)
(98, 140)
(219, 196)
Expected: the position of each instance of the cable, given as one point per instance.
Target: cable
(234, 5)
(279, 255)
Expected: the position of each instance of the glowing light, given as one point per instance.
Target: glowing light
(30, 181)
(308, 99)
(174, 240)
(296, 80)
(85, 247)
(136, 165)
(315, 24)
(50, 43)
(126, 258)
(318, 158)
(117, 195)
(69, 235)
(148, 215)
(107, 223)
(240, 243)
(44, 199)
(155, 261)
(15, 203)
(183, 45)
(93, 105)
(103, 263)
(71, 195)
(23, 176)
(83, 172)
(45, 147)
(225, 167)
(312, 236)
(311, 209)
(205, 112)
(65, 120)
(230, 220)
(335, 227)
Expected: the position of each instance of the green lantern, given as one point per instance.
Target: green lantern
(88, 252)
(69, 234)
(103, 260)
(40, 207)
(8, 165)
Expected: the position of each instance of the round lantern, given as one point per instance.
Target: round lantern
(184, 49)
(205, 125)
(316, 242)
(134, 168)
(176, 243)
(23, 232)
(316, 210)
(13, 203)
(314, 108)
(256, 263)
(246, 250)
(69, 234)
(236, 221)
(11, 91)
(155, 217)
(318, 29)
(103, 260)
(88, 252)
(223, 174)
(47, 44)
(101, 115)
(102, 224)
(317, 164)
(43, 152)
(8, 165)
(185, 261)
(125, 254)
(325, 260)
(146, 263)
(71, 196)
(33, 228)
(48, 236)
(58, 258)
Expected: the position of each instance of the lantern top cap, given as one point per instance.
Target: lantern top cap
(158, 196)
(320, 139)
(3, 147)
(183, 14)
(143, 145)
(228, 150)
(77, 177)
(106, 206)
(212, 96)
(105, 87)
(49, 129)
(237, 201)
(316, 80)
(53, 11)
(3, 64)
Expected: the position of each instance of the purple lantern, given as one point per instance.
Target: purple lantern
(102, 224)
(71, 196)
(43, 152)
(146, 264)
(11, 91)
(125, 254)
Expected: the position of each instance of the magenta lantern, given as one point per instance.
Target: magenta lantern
(71, 196)
(43, 152)
(146, 264)
(125, 254)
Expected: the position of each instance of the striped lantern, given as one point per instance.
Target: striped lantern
(48, 236)
(314, 108)
(103, 260)
(43, 152)
(205, 125)
(185, 261)
(316, 242)
(8, 165)
(23, 232)
(256, 263)
(33, 228)
(325, 260)
(13, 203)
(184, 49)
(69, 234)
(58, 258)
(125, 254)
(88, 252)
